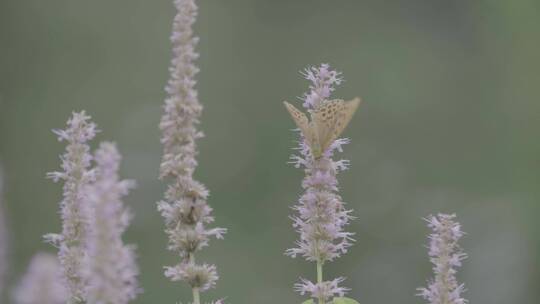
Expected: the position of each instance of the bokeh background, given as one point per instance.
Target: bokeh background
(449, 123)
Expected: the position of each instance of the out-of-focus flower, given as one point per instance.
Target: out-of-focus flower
(3, 238)
(323, 80)
(42, 282)
(76, 175)
(110, 270)
(446, 256)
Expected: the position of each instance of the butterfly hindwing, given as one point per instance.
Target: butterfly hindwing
(332, 118)
(325, 118)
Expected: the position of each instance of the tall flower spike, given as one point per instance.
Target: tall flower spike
(321, 215)
(446, 255)
(110, 270)
(184, 207)
(41, 284)
(76, 175)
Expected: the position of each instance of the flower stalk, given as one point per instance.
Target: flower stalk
(196, 296)
(320, 279)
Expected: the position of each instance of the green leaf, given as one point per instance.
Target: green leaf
(344, 300)
(310, 301)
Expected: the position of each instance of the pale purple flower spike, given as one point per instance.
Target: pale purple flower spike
(110, 270)
(446, 255)
(41, 284)
(76, 175)
(185, 207)
(321, 215)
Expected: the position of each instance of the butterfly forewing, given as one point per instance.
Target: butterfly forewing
(332, 118)
(324, 120)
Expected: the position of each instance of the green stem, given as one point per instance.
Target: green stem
(195, 290)
(320, 278)
(196, 296)
(319, 272)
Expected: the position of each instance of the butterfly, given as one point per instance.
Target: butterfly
(327, 122)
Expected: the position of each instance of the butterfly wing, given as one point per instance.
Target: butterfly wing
(332, 118)
(324, 119)
(302, 122)
(345, 116)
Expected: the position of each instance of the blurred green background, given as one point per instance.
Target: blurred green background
(449, 123)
